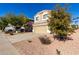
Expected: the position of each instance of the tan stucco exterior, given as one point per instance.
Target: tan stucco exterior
(40, 25)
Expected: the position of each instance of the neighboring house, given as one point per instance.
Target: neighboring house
(40, 22)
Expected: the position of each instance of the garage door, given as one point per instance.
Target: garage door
(41, 29)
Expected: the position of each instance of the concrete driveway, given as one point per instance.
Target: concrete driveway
(21, 36)
(6, 48)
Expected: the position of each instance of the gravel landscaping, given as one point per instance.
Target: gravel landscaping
(35, 47)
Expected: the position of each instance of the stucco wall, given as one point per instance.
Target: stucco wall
(40, 26)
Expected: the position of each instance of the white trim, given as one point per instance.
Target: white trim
(41, 12)
(48, 31)
(35, 18)
(33, 30)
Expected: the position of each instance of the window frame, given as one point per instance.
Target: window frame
(37, 18)
(45, 16)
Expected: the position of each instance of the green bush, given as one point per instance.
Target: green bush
(59, 22)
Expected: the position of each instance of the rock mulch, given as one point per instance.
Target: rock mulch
(35, 47)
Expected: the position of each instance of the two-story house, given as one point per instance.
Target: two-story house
(40, 22)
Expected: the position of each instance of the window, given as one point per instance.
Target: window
(37, 18)
(45, 16)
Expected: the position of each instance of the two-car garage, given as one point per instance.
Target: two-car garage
(43, 28)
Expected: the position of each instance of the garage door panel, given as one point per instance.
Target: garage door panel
(41, 29)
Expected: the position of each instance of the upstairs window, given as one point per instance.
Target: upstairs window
(45, 16)
(37, 18)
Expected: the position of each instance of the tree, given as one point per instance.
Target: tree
(59, 22)
(10, 18)
(3, 23)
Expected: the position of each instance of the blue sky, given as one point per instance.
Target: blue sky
(30, 9)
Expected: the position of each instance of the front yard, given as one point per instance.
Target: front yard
(35, 47)
(29, 44)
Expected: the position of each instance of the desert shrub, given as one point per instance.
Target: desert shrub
(11, 32)
(61, 38)
(74, 27)
(45, 40)
(29, 41)
(58, 52)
